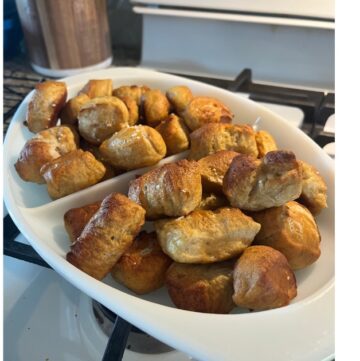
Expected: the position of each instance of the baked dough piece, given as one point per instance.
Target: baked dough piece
(69, 114)
(101, 117)
(75, 219)
(204, 110)
(133, 91)
(292, 230)
(175, 134)
(156, 107)
(143, 266)
(134, 147)
(253, 184)
(42, 148)
(206, 236)
(213, 137)
(133, 109)
(97, 88)
(44, 107)
(213, 168)
(314, 189)
(201, 288)
(213, 201)
(179, 97)
(263, 279)
(265, 142)
(173, 189)
(107, 235)
(71, 173)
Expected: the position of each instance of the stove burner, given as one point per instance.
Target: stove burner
(138, 341)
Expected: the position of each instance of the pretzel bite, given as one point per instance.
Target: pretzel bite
(44, 107)
(263, 279)
(133, 91)
(71, 172)
(292, 230)
(265, 142)
(42, 148)
(213, 137)
(212, 201)
(156, 107)
(134, 147)
(69, 114)
(111, 171)
(314, 189)
(173, 189)
(101, 117)
(107, 235)
(143, 266)
(253, 184)
(206, 236)
(97, 88)
(204, 110)
(133, 109)
(75, 219)
(175, 134)
(213, 168)
(179, 97)
(201, 288)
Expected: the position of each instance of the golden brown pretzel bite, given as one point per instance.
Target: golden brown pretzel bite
(204, 110)
(72, 172)
(133, 91)
(253, 184)
(44, 107)
(265, 142)
(213, 137)
(101, 117)
(263, 279)
(42, 148)
(134, 147)
(179, 97)
(107, 235)
(175, 134)
(314, 189)
(201, 288)
(69, 114)
(213, 168)
(206, 236)
(156, 107)
(143, 265)
(292, 230)
(97, 88)
(75, 219)
(173, 189)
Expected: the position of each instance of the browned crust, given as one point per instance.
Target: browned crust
(44, 107)
(102, 241)
(179, 97)
(201, 288)
(292, 230)
(156, 107)
(75, 219)
(69, 113)
(265, 142)
(97, 88)
(213, 137)
(173, 189)
(143, 266)
(263, 279)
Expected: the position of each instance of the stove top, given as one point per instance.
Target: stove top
(41, 309)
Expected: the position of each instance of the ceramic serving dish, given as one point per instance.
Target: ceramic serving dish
(304, 330)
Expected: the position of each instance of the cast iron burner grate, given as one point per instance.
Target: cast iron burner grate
(317, 107)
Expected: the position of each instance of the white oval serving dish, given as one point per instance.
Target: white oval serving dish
(304, 330)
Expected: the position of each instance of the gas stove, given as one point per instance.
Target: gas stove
(46, 318)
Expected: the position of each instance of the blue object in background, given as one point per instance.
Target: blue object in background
(12, 30)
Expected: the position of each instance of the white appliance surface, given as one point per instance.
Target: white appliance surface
(311, 8)
(48, 319)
